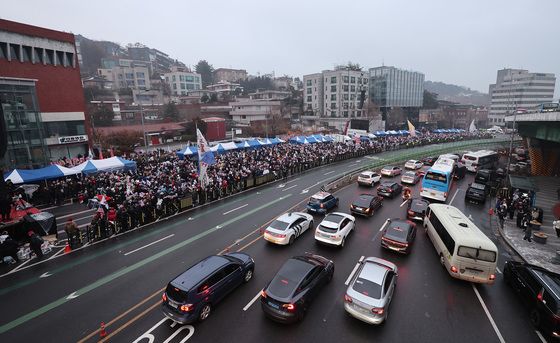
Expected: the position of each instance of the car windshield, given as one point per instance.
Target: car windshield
(363, 201)
(333, 218)
(314, 201)
(397, 231)
(477, 254)
(176, 294)
(365, 176)
(436, 177)
(410, 174)
(389, 168)
(279, 225)
(470, 158)
(478, 186)
(367, 288)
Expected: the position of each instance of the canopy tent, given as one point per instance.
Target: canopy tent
(188, 151)
(33, 175)
(380, 133)
(243, 145)
(364, 138)
(392, 132)
(108, 164)
(299, 140)
(265, 141)
(328, 139)
(403, 132)
(253, 143)
(311, 139)
(371, 135)
(276, 140)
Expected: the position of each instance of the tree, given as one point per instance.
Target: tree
(171, 112)
(259, 82)
(190, 127)
(430, 100)
(213, 97)
(123, 141)
(103, 116)
(349, 66)
(204, 98)
(206, 72)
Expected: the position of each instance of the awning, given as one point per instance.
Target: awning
(33, 175)
(523, 182)
(108, 164)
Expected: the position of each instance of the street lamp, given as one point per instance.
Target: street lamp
(142, 117)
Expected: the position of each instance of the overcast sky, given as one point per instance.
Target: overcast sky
(460, 42)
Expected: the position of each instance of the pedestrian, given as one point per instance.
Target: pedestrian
(556, 226)
(511, 209)
(528, 231)
(501, 217)
(8, 247)
(71, 232)
(35, 243)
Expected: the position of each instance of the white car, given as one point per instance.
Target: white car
(289, 226)
(335, 228)
(368, 178)
(413, 164)
(391, 171)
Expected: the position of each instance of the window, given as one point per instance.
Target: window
(308, 82)
(333, 79)
(26, 53)
(352, 79)
(189, 78)
(345, 79)
(333, 88)
(129, 76)
(70, 59)
(345, 114)
(49, 56)
(333, 105)
(388, 282)
(309, 98)
(183, 86)
(173, 78)
(477, 254)
(190, 86)
(309, 90)
(352, 88)
(59, 58)
(141, 83)
(3, 50)
(346, 97)
(333, 97)
(443, 234)
(352, 96)
(140, 75)
(37, 55)
(230, 268)
(174, 86)
(14, 52)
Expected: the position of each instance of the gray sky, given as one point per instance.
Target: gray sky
(460, 42)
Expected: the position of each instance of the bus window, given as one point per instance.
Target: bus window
(436, 177)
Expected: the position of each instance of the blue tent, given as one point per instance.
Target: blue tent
(298, 140)
(276, 140)
(328, 138)
(41, 174)
(380, 133)
(243, 145)
(254, 143)
(107, 164)
(312, 139)
(403, 132)
(364, 139)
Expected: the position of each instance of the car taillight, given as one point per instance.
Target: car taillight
(378, 310)
(352, 206)
(445, 194)
(186, 307)
(263, 294)
(421, 189)
(410, 213)
(453, 269)
(368, 209)
(164, 297)
(289, 307)
(347, 298)
(322, 205)
(492, 277)
(540, 295)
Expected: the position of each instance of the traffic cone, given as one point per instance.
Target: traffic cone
(67, 249)
(102, 332)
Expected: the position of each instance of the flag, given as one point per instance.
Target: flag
(205, 158)
(472, 128)
(100, 153)
(411, 129)
(112, 152)
(90, 154)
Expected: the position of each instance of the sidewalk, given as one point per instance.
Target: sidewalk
(543, 255)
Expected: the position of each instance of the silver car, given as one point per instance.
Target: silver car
(370, 292)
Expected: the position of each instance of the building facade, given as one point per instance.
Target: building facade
(229, 75)
(393, 87)
(127, 74)
(518, 89)
(181, 80)
(41, 95)
(245, 111)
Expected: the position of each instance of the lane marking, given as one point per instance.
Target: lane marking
(142, 314)
(122, 315)
(248, 244)
(500, 337)
(115, 275)
(21, 265)
(454, 195)
(384, 224)
(147, 245)
(285, 189)
(297, 178)
(235, 209)
(74, 214)
(332, 171)
(57, 206)
(354, 271)
(540, 336)
(498, 270)
(57, 253)
(404, 202)
(47, 274)
(252, 301)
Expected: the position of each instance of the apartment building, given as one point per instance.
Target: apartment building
(181, 80)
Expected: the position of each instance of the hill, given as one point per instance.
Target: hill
(459, 94)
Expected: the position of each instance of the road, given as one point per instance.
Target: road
(120, 281)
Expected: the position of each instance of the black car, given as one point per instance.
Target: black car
(477, 192)
(539, 289)
(429, 161)
(399, 236)
(366, 204)
(191, 295)
(389, 189)
(485, 177)
(417, 209)
(459, 171)
(287, 297)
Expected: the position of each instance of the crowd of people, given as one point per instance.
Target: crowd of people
(520, 205)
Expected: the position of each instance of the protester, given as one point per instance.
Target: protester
(35, 243)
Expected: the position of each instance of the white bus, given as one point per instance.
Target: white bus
(438, 180)
(464, 251)
(482, 159)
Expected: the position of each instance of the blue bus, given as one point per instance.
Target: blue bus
(437, 181)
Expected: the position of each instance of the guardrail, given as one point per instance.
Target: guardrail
(351, 176)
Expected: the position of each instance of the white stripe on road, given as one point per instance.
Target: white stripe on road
(404, 202)
(384, 224)
(147, 245)
(297, 178)
(332, 171)
(62, 222)
(235, 209)
(252, 301)
(285, 189)
(353, 271)
(500, 337)
(540, 336)
(57, 253)
(50, 208)
(74, 214)
(454, 195)
(21, 265)
(498, 270)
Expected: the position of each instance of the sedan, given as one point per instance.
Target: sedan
(289, 226)
(410, 177)
(417, 209)
(366, 204)
(391, 171)
(371, 290)
(399, 236)
(335, 228)
(429, 161)
(368, 178)
(413, 164)
(289, 294)
(389, 189)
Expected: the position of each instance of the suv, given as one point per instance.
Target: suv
(368, 178)
(366, 204)
(322, 202)
(477, 192)
(190, 296)
(485, 177)
(389, 189)
(538, 289)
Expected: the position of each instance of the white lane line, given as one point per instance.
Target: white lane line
(384, 224)
(252, 301)
(297, 178)
(235, 209)
(63, 222)
(500, 337)
(74, 214)
(353, 271)
(57, 253)
(285, 189)
(540, 336)
(332, 171)
(50, 208)
(498, 270)
(147, 245)
(21, 265)
(454, 195)
(404, 202)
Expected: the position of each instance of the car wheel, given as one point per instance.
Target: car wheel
(342, 243)
(291, 241)
(329, 278)
(204, 312)
(442, 260)
(248, 275)
(311, 225)
(535, 317)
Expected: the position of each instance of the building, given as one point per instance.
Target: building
(229, 75)
(215, 128)
(245, 111)
(125, 73)
(392, 87)
(518, 89)
(160, 62)
(41, 95)
(181, 80)
(269, 95)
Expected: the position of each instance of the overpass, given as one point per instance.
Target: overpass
(541, 135)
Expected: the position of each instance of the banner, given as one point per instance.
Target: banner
(205, 158)
(411, 129)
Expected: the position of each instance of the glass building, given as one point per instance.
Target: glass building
(392, 87)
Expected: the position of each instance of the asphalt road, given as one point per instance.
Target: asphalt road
(120, 281)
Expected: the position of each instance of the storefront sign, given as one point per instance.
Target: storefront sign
(72, 139)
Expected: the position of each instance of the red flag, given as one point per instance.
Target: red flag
(112, 152)
(100, 154)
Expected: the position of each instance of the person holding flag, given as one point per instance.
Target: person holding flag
(205, 159)
(411, 129)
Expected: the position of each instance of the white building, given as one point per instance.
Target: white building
(134, 76)
(245, 111)
(269, 95)
(518, 89)
(181, 80)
